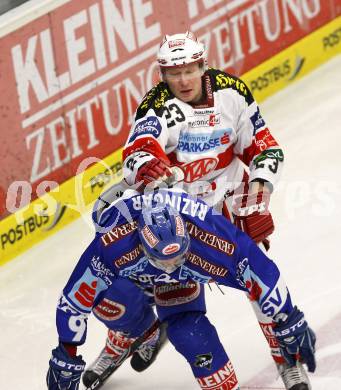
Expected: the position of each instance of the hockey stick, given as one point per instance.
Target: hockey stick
(127, 353)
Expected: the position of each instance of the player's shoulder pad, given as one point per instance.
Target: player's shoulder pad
(154, 99)
(118, 210)
(223, 80)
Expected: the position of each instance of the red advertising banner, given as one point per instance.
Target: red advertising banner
(70, 80)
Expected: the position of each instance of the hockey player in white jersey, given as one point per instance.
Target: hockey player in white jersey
(206, 122)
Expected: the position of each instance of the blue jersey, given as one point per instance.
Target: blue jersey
(218, 252)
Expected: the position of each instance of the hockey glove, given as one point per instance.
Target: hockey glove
(296, 339)
(152, 170)
(251, 215)
(65, 371)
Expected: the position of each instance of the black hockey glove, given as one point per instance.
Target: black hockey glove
(65, 371)
(296, 339)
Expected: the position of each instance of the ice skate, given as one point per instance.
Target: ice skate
(110, 358)
(146, 354)
(294, 378)
(99, 370)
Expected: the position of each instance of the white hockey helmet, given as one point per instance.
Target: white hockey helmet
(179, 50)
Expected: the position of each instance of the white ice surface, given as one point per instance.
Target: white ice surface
(306, 120)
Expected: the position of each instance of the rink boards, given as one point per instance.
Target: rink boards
(63, 204)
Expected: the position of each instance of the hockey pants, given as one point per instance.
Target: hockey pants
(125, 308)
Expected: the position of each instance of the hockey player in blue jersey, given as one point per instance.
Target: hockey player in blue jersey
(175, 244)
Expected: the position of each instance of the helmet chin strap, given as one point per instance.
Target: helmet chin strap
(162, 77)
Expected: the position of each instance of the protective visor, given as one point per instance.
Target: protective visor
(169, 265)
(178, 73)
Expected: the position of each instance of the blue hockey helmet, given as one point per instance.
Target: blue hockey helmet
(164, 237)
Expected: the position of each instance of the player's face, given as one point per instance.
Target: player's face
(168, 266)
(185, 82)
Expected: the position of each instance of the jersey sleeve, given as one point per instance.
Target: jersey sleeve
(149, 135)
(231, 258)
(89, 279)
(260, 277)
(255, 145)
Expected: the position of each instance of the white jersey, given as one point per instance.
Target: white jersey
(214, 143)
